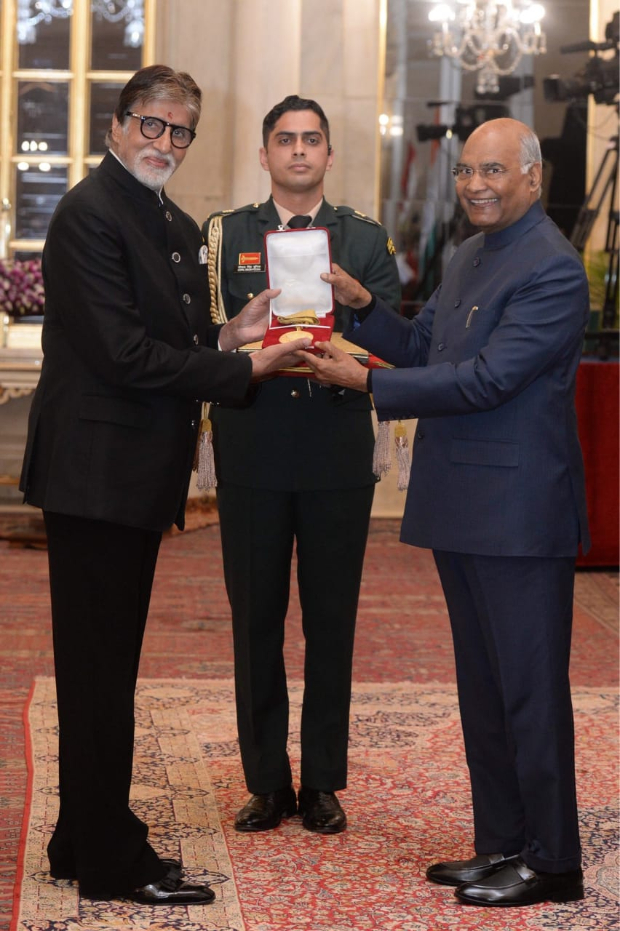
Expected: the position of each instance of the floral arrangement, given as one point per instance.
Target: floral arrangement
(21, 288)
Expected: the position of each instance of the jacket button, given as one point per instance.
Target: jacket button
(195, 338)
(419, 435)
(441, 347)
(250, 295)
(456, 303)
(194, 423)
(176, 257)
(476, 262)
(294, 393)
(187, 299)
(168, 216)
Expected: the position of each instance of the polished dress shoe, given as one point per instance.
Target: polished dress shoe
(456, 872)
(265, 811)
(171, 890)
(321, 812)
(516, 884)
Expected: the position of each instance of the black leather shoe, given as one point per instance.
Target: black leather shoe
(171, 890)
(321, 812)
(516, 884)
(264, 812)
(456, 872)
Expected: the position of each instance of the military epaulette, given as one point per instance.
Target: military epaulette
(362, 216)
(234, 210)
(247, 208)
(356, 214)
(221, 213)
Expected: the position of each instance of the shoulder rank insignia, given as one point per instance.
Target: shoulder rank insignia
(358, 215)
(391, 248)
(231, 210)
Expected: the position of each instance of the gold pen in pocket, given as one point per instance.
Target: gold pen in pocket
(470, 315)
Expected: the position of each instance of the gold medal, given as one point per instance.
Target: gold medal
(290, 336)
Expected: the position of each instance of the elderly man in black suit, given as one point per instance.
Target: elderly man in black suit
(128, 356)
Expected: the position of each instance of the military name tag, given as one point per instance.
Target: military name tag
(250, 262)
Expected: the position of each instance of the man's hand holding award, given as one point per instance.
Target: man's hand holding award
(299, 267)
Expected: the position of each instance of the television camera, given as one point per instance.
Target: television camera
(599, 76)
(466, 120)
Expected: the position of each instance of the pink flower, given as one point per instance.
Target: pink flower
(21, 288)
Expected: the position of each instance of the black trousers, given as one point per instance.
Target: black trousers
(101, 576)
(511, 621)
(259, 528)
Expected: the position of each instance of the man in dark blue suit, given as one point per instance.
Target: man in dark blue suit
(497, 492)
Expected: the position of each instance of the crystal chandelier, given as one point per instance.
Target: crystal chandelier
(32, 12)
(29, 15)
(487, 36)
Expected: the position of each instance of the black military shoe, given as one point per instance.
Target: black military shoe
(264, 812)
(455, 872)
(516, 884)
(321, 812)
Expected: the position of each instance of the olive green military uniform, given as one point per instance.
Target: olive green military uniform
(296, 465)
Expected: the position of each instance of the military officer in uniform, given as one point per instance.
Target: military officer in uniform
(294, 468)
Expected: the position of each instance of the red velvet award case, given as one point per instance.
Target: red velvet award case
(295, 260)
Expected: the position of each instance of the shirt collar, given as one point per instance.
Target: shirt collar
(285, 215)
(504, 237)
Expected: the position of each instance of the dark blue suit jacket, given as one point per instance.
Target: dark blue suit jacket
(489, 368)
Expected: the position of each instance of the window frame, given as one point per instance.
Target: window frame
(80, 78)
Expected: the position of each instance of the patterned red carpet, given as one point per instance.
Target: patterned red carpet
(406, 759)
(407, 799)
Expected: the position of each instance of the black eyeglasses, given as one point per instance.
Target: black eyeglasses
(152, 127)
(488, 172)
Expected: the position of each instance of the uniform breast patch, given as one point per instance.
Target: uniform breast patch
(250, 262)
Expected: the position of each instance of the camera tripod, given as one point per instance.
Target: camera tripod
(606, 179)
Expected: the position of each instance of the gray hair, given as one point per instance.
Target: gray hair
(158, 82)
(530, 152)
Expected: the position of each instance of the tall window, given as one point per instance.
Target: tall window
(62, 64)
